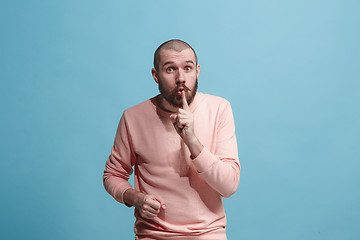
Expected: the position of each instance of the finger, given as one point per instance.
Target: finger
(155, 203)
(174, 117)
(183, 116)
(150, 207)
(185, 105)
(147, 215)
(161, 204)
(180, 123)
(152, 211)
(183, 112)
(149, 210)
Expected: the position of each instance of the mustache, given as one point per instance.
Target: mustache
(183, 86)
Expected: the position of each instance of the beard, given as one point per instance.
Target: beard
(172, 97)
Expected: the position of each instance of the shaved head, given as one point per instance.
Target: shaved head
(175, 45)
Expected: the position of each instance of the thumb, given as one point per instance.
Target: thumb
(174, 117)
(155, 201)
(162, 204)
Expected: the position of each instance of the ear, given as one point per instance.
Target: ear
(197, 70)
(155, 75)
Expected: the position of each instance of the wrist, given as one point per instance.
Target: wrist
(133, 197)
(194, 146)
(191, 141)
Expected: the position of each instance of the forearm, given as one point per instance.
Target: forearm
(133, 198)
(118, 167)
(220, 172)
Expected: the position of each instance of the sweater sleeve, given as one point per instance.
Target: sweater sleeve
(221, 169)
(118, 167)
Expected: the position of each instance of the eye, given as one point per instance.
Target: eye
(170, 69)
(187, 68)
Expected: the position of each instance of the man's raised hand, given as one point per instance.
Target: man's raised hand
(183, 121)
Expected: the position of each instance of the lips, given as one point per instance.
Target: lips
(180, 90)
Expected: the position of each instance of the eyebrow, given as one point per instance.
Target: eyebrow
(167, 63)
(170, 62)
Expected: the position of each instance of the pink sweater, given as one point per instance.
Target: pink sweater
(190, 190)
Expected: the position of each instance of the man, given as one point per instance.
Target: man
(183, 148)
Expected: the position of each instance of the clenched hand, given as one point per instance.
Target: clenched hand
(149, 207)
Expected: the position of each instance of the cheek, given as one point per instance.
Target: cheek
(193, 78)
(168, 80)
(165, 83)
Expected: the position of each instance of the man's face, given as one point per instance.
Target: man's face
(177, 72)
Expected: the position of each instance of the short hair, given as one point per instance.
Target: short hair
(174, 44)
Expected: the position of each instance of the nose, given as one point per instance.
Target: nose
(180, 78)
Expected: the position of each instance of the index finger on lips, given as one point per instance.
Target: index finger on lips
(184, 102)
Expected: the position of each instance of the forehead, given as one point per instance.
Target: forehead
(168, 55)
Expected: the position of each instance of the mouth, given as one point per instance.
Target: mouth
(180, 90)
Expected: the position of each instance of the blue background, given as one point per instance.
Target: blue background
(289, 68)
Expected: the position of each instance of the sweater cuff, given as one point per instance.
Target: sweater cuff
(119, 193)
(204, 160)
